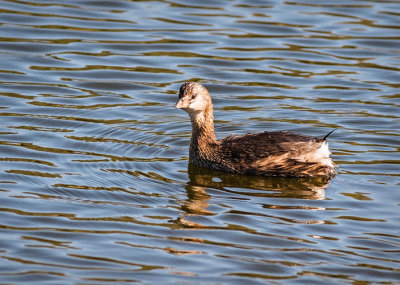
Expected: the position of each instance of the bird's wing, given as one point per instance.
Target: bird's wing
(276, 153)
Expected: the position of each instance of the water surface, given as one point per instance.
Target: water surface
(94, 180)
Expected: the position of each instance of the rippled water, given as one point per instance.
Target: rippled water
(94, 179)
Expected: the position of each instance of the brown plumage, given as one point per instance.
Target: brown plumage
(267, 153)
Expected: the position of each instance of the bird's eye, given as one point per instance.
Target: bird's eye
(193, 96)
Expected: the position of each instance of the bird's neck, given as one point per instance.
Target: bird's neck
(203, 134)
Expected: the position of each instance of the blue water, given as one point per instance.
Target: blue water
(94, 180)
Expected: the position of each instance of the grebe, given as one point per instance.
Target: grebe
(267, 153)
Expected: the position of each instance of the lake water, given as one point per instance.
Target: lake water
(94, 180)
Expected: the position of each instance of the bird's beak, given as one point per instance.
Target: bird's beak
(182, 104)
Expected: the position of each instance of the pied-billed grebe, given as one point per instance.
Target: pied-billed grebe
(267, 153)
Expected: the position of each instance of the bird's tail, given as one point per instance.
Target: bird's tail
(326, 137)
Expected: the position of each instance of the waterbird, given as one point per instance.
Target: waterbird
(277, 153)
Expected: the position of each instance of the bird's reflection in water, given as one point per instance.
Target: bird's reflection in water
(200, 179)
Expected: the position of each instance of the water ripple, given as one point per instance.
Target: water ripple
(94, 181)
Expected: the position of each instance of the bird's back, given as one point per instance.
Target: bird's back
(275, 153)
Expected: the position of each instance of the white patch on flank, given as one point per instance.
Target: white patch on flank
(322, 155)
